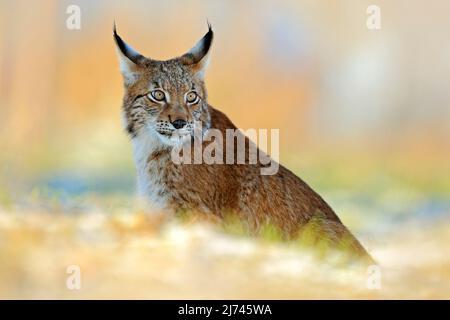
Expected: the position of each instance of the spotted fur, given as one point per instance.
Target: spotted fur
(283, 199)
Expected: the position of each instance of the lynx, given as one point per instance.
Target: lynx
(163, 103)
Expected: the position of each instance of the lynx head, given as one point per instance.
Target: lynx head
(166, 99)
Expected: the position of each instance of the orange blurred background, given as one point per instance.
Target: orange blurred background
(311, 68)
(363, 118)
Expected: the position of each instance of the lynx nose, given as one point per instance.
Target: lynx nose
(179, 123)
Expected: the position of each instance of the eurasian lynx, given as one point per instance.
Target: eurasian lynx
(164, 101)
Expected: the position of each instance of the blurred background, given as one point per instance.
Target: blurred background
(363, 114)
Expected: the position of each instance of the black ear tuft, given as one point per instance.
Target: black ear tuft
(200, 50)
(209, 25)
(126, 50)
(207, 39)
(206, 42)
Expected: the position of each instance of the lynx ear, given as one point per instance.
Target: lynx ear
(198, 57)
(130, 60)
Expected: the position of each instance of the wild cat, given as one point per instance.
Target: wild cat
(164, 102)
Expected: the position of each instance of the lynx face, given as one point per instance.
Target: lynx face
(165, 99)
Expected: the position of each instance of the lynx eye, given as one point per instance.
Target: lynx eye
(192, 97)
(157, 95)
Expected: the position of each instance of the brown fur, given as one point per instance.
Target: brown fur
(282, 199)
